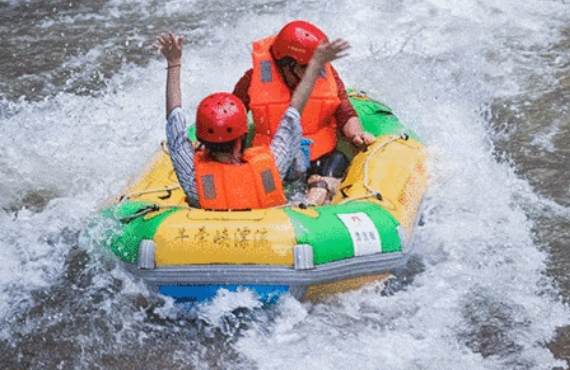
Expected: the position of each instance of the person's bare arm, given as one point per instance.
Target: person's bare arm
(171, 48)
(326, 52)
(180, 148)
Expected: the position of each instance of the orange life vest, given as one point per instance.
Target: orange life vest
(270, 97)
(254, 184)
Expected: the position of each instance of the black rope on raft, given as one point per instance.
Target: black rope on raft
(141, 212)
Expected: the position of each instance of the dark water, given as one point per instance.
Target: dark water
(537, 139)
(486, 85)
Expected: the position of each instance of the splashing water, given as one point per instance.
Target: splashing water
(84, 112)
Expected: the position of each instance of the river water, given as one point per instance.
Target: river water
(486, 84)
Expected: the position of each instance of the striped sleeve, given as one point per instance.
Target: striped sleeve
(287, 140)
(182, 153)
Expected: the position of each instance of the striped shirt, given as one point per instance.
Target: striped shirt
(285, 146)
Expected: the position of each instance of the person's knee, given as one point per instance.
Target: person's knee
(321, 189)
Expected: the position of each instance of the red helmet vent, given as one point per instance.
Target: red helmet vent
(220, 118)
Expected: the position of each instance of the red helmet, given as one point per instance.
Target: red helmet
(220, 118)
(298, 40)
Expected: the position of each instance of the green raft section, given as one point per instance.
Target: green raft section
(133, 228)
(326, 233)
(377, 118)
(329, 237)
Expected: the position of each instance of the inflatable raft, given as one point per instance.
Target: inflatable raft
(310, 253)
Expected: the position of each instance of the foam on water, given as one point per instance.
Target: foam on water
(483, 293)
(481, 299)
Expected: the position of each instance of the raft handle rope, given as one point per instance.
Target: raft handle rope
(149, 209)
(167, 189)
(343, 190)
(372, 192)
(141, 212)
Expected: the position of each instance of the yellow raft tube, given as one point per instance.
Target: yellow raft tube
(365, 233)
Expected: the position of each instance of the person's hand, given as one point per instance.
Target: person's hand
(362, 139)
(170, 46)
(329, 51)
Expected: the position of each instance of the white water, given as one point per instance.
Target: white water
(438, 64)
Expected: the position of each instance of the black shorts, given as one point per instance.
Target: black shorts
(333, 164)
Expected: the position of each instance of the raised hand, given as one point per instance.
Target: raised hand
(326, 52)
(170, 46)
(329, 51)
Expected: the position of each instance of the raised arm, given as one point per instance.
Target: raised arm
(326, 52)
(171, 48)
(286, 142)
(179, 146)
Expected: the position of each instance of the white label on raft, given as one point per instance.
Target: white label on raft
(365, 237)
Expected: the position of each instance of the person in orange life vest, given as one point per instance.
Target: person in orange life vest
(279, 63)
(224, 175)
